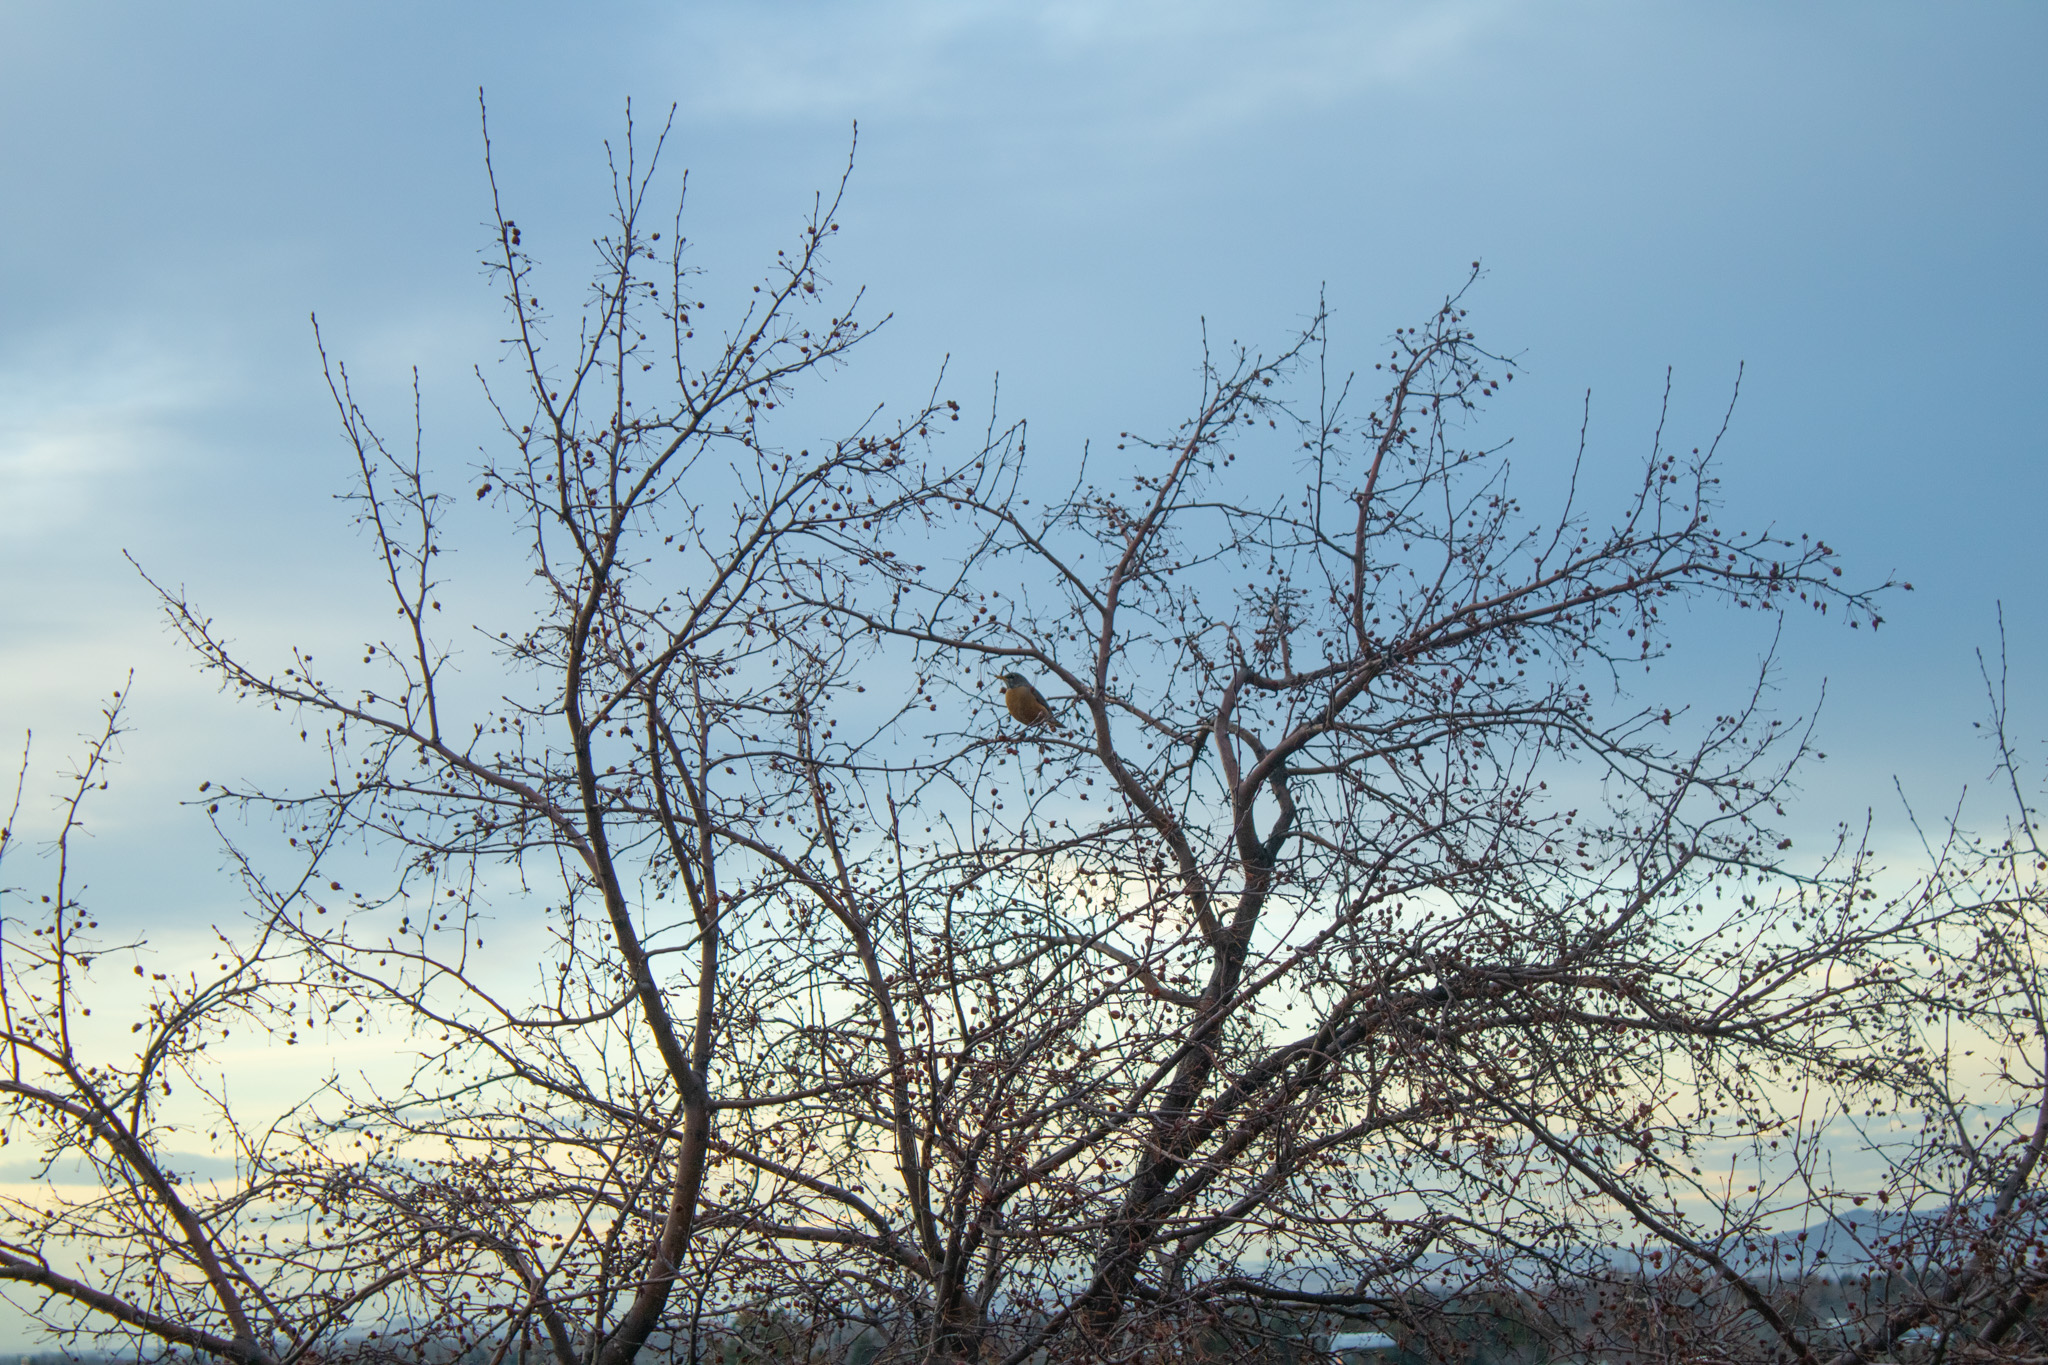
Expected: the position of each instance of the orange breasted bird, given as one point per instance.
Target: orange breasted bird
(1024, 702)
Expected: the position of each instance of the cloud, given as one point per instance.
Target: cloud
(1182, 68)
(81, 418)
(74, 1171)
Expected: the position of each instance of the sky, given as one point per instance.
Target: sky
(1845, 201)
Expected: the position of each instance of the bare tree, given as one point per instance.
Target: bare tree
(137, 1250)
(1337, 923)
(554, 1138)
(1369, 931)
(1901, 1216)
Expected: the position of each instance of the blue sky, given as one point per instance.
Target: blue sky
(1845, 198)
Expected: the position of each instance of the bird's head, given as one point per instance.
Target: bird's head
(1012, 680)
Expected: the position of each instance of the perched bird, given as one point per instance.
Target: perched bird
(1024, 701)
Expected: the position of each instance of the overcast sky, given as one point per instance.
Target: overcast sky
(1847, 199)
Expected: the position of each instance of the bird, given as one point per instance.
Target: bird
(1024, 701)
